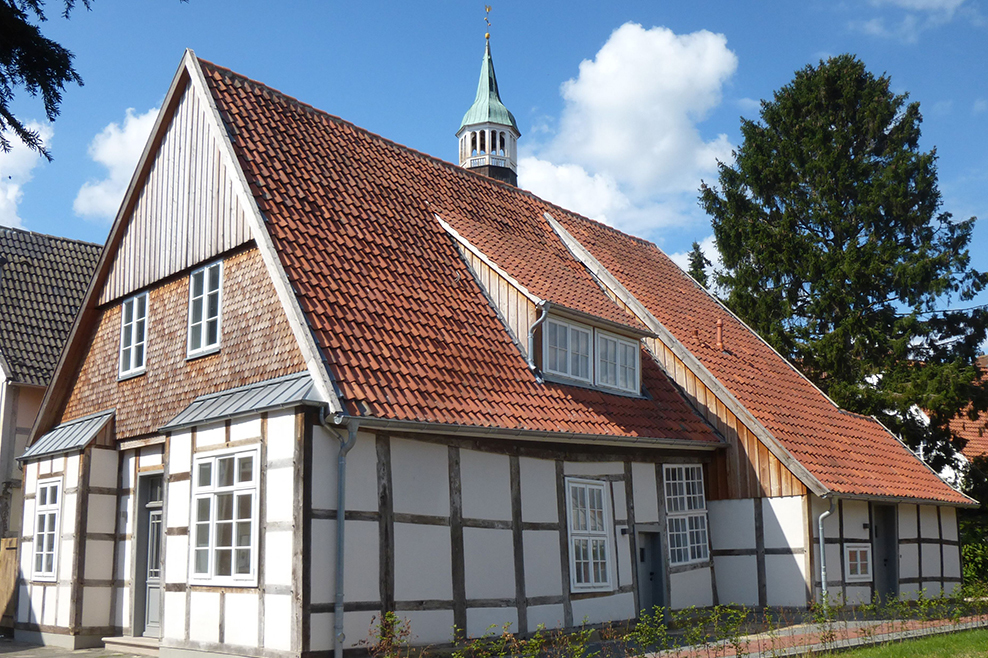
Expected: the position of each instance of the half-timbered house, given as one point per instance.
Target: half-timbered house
(370, 380)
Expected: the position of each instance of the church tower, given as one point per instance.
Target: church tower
(488, 134)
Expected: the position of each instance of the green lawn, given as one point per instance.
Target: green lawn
(967, 644)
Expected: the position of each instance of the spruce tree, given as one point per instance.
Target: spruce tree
(836, 250)
(698, 265)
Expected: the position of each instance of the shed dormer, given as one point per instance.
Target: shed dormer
(488, 135)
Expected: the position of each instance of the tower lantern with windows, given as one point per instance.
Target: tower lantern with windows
(488, 135)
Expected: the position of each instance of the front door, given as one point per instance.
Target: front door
(885, 542)
(651, 571)
(147, 608)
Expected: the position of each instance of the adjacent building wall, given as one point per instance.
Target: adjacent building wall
(19, 405)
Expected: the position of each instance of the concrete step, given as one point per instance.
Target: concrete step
(144, 646)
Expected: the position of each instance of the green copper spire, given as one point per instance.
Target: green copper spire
(487, 107)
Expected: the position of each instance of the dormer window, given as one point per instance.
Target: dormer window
(204, 310)
(590, 355)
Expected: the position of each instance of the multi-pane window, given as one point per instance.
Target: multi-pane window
(224, 513)
(617, 363)
(48, 502)
(588, 535)
(567, 350)
(133, 335)
(204, 309)
(857, 562)
(686, 511)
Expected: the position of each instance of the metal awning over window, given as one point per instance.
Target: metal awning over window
(279, 393)
(67, 437)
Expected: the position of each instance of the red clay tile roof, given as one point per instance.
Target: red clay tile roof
(975, 432)
(848, 453)
(405, 329)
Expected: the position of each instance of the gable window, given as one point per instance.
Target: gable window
(204, 309)
(686, 512)
(589, 532)
(48, 505)
(224, 513)
(857, 563)
(617, 363)
(567, 350)
(133, 335)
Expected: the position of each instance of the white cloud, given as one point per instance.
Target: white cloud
(749, 106)
(118, 149)
(980, 106)
(910, 18)
(16, 167)
(709, 248)
(627, 147)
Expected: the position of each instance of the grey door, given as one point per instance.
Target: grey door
(885, 544)
(147, 597)
(651, 571)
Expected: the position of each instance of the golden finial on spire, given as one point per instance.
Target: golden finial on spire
(487, 19)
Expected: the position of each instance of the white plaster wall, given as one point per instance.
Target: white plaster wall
(622, 549)
(830, 524)
(102, 513)
(30, 477)
(241, 618)
(909, 591)
(856, 523)
(281, 435)
(210, 435)
(929, 525)
(99, 559)
(420, 477)
(179, 452)
(783, 522)
(277, 557)
(280, 495)
(72, 472)
(620, 500)
(50, 606)
(204, 616)
(176, 559)
(242, 429)
(688, 588)
(858, 594)
(491, 621)
(948, 521)
(127, 469)
(361, 471)
(550, 616)
(645, 492)
(64, 603)
(96, 606)
(485, 484)
(151, 456)
(488, 557)
(907, 521)
(179, 503)
(731, 523)
(102, 467)
(908, 561)
(834, 556)
(608, 608)
(931, 560)
(422, 562)
(430, 626)
(543, 570)
(321, 631)
(357, 626)
(278, 621)
(538, 490)
(173, 616)
(951, 561)
(593, 468)
(360, 554)
(785, 580)
(737, 579)
(949, 589)
(323, 560)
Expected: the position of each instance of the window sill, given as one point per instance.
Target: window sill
(124, 376)
(582, 383)
(857, 580)
(192, 356)
(48, 580)
(225, 582)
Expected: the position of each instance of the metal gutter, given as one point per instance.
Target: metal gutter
(531, 339)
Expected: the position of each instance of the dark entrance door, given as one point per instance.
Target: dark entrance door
(147, 597)
(885, 543)
(651, 571)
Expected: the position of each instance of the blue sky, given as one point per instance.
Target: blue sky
(623, 106)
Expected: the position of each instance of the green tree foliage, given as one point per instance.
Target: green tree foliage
(29, 60)
(836, 250)
(698, 265)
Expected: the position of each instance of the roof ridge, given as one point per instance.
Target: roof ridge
(18, 229)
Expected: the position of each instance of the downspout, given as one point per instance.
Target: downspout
(352, 425)
(544, 306)
(823, 548)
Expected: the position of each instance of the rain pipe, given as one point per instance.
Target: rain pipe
(823, 548)
(351, 425)
(544, 306)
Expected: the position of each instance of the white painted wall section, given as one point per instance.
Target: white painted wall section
(731, 523)
(538, 490)
(783, 522)
(737, 579)
(485, 484)
(688, 588)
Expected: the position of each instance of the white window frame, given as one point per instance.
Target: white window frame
(53, 517)
(581, 532)
(858, 577)
(136, 332)
(203, 323)
(570, 327)
(621, 362)
(211, 492)
(686, 514)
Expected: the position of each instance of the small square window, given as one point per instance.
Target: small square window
(205, 300)
(133, 335)
(857, 563)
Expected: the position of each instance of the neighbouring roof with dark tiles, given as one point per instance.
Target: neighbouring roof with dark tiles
(408, 334)
(975, 432)
(43, 280)
(847, 452)
(405, 329)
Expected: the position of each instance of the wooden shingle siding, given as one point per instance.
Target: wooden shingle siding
(187, 211)
(256, 344)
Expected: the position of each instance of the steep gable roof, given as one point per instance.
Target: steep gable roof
(848, 453)
(405, 330)
(43, 280)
